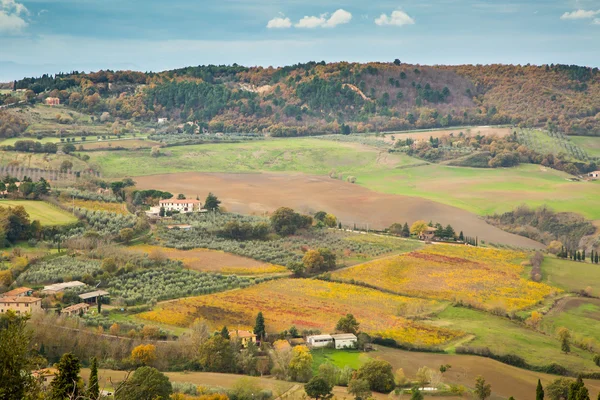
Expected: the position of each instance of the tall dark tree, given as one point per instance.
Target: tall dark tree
(259, 326)
(225, 333)
(15, 362)
(318, 388)
(539, 391)
(64, 385)
(93, 389)
(405, 230)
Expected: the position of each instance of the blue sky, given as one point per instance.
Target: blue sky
(38, 36)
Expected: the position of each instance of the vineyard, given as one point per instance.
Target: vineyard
(60, 269)
(546, 142)
(310, 305)
(159, 284)
(482, 278)
(279, 251)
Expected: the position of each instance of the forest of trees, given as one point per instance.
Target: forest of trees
(318, 97)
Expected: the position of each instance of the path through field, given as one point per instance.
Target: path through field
(352, 204)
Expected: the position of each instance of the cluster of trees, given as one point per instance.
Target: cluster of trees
(317, 97)
(15, 225)
(578, 255)
(418, 227)
(11, 125)
(27, 188)
(286, 221)
(149, 197)
(32, 146)
(236, 230)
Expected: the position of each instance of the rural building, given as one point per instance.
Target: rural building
(345, 340)
(297, 342)
(319, 340)
(182, 206)
(76, 309)
(428, 234)
(52, 101)
(245, 337)
(93, 297)
(163, 121)
(181, 227)
(18, 292)
(59, 287)
(595, 174)
(20, 305)
(45, 375)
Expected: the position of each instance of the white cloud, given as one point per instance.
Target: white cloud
(580, 14)
(279, 23)
(596, 21)
(11, 17)
(339, 17)
(397, 18)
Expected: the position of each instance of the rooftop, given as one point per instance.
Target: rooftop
(13, 299)
(178, 201)
(17, 292)
(317, 337)
(62, 286)
(344, 336)
(76, 307)
(243, 334)
(93, 294)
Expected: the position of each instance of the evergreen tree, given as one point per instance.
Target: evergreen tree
(461, 237)
(64, 384)
(597, 258)
(405, 230)
(212, 203)
(539, 391)
(225, 333)
(259, 327)
(583, 255)
(449, 232)
(575, 388)
(93, 390)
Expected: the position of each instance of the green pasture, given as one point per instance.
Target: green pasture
(479, 190)
(571, 276)
(47, 214)
(503, 336)
(339, 358)
(580, 315)
(591, 144)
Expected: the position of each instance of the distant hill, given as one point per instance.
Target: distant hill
(340, 97)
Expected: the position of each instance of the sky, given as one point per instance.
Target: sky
(50, 36)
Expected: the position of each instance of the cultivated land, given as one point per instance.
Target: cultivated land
(39, 160)
(309, 304)
(210, 260)
(482, 278)
(466, 130)
(591, 144)
(124, 143)
(46, 213)
(480, 191)
(350, 203)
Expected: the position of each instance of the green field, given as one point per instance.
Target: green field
(571, 276)
(591, 144)
(580, 315)
(503, 336)
(339, 358)
(482, 191)
(47, 214)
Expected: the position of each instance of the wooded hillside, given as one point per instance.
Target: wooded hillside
(318, 97)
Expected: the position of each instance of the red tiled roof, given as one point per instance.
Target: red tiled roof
(16, 292)
(19, 299)
(177, 201)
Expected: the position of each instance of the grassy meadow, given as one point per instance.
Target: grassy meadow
(591, 144)
(481, 191)
(47, 214)
(571, 276)
(580, 315)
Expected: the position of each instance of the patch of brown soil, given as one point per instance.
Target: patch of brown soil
(351, 204)
(425, 135)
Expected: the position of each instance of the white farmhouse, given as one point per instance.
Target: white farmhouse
(319, 340)
(182, 206)
(345, 341)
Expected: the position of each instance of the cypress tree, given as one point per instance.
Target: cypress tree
(259, 327)
(64, 384)
(405, 230)
(539, 391)
(583, 255)
(461, 237)
(597, 258)
(225, 333)
(93, 390)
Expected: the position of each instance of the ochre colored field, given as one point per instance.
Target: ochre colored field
(309, 304)
(47, 214)
(118, 208)
(211, 261)
(483, 278)
(124, 143)
(467, 131)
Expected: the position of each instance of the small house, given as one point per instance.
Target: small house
(428, 234)
(595, 174)
(18, 292)
(76, 309)
(345, 341)
(44, 376)
(163, 121)
(52, 101)
(245, 337)
(181, 205)
(317, 341)
(93, 297)
(20, 305)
